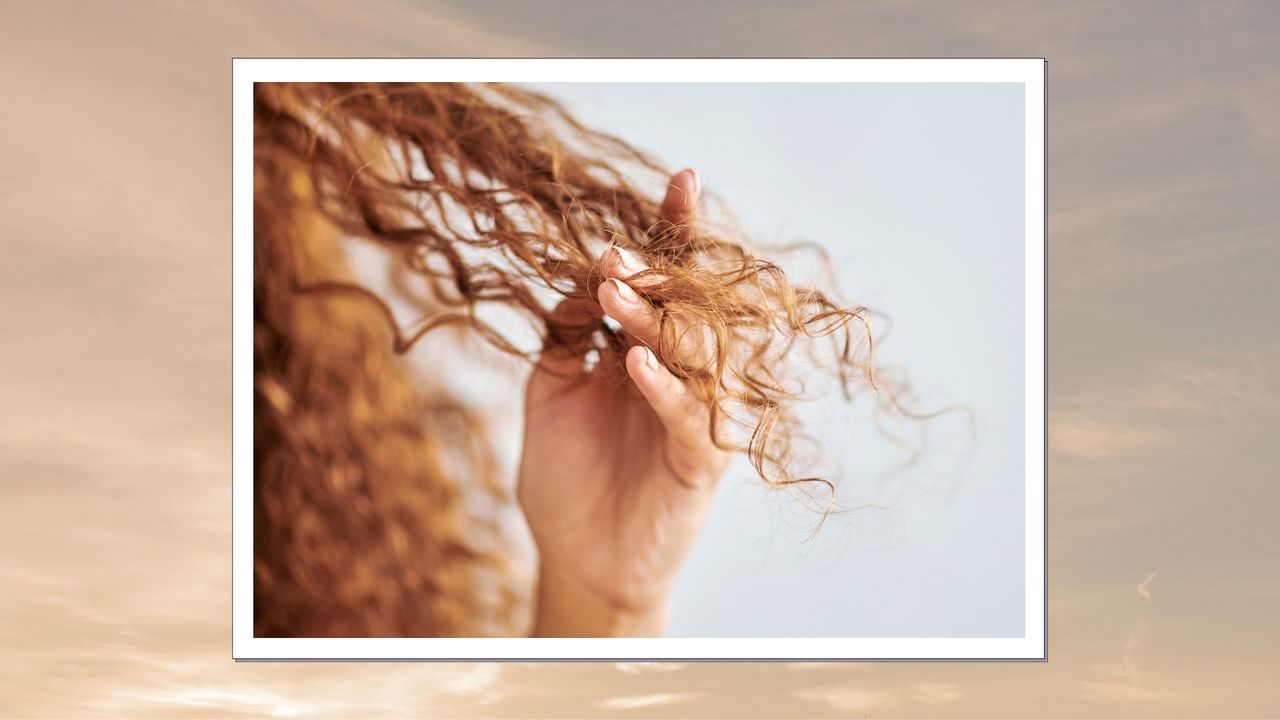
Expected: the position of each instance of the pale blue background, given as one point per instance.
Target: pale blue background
(917, 191)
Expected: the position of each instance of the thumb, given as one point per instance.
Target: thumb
(685, 418)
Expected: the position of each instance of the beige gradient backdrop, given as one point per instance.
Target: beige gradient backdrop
(116, 337)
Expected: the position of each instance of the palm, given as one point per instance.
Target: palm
(599, 489)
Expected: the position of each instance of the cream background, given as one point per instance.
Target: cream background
(1165, 391)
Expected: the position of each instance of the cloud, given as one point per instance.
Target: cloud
(1126, 682)
(935, 693)
(1125, 679)
(640, 668)
(892, 695)
(1112, 690)
(1164, 405)
(1128, 653)
(1146, 582)
(1091, 433)
(851, 699)
(631, 702)
(248, 701)
(843, 666)
(473, 680)
(1221, 386)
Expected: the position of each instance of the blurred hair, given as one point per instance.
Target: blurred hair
(486, 196)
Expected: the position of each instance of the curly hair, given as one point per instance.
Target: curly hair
(486, 196)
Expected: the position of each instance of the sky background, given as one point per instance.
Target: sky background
(115, 443)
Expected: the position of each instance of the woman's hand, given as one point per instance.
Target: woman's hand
(615, 479)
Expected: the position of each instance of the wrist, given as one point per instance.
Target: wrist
(568, 608)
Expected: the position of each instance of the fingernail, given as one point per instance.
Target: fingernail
(695, 182)
(650, 360)
(687, 183)
(625, 293)
(627, 260)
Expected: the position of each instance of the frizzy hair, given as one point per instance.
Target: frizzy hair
(485, 196)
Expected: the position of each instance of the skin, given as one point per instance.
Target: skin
(616, 478)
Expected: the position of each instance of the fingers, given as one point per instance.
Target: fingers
(676, 407)
(692, 343)
(621, 263)
(633, 313)
(682, 197)
(678, 209)
(619, 267)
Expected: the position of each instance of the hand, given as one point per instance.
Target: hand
(616, 478)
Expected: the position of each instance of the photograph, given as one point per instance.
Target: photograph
(639, 359)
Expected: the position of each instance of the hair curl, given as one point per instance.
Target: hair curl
(487, 196)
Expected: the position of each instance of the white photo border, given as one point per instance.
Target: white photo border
(1029, 72)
